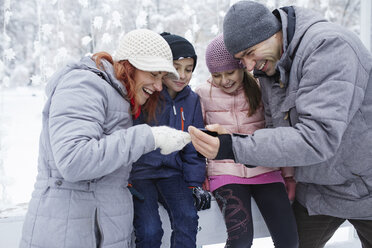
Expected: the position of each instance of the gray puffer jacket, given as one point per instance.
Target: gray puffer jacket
(87, 147)
(321, 111)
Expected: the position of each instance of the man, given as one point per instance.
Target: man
(316, 80)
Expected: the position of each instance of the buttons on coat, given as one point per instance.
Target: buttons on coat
(58, 182)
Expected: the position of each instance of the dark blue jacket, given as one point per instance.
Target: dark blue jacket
(183, 111)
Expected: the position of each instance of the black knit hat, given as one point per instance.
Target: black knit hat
(181, 48)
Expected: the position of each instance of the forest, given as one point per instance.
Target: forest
(40, 36)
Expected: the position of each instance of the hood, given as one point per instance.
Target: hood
(87, 63)
(304, 19)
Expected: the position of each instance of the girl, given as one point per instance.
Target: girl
(174, 179)
(88, 145)
(232, 99)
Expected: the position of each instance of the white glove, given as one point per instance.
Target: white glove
(169, 139)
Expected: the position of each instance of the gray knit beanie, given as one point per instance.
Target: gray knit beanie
(246, 24)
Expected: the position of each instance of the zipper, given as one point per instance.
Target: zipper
(182, 116)
(174, 110)
(182, 119)
(234, 112)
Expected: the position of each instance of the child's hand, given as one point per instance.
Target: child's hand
(205, 185)
(217, 128)
(290, 186)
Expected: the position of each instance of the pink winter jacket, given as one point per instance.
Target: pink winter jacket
(230, 111)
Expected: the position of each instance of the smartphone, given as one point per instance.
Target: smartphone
(212, 133)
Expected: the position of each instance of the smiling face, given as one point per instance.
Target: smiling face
(228, 81)
(146, 84)
(184, 68)
(263, 56)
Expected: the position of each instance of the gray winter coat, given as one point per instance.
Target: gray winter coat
(87, 147)
(321, 108)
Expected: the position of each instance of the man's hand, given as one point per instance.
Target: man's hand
(205, 144)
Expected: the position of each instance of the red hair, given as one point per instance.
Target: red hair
(124, 72)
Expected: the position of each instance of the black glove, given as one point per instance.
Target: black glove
(202, 198)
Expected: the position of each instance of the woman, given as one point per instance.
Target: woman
(88, 145)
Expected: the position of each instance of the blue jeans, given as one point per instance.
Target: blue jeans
(234, 201)
(177, 199)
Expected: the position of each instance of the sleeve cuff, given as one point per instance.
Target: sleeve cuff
(225, 151)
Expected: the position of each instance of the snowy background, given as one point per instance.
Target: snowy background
(39, 36)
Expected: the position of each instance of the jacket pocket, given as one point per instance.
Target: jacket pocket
(288, 108)
(362, 188)
(45, 191)
(97, 231)
(359, 154)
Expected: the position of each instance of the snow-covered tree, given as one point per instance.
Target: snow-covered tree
(40, 36)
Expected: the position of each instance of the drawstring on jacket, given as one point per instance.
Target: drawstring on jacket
(182, 116)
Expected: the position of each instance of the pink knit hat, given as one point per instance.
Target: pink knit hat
(218, 59)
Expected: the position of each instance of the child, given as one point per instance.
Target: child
(173, 180)
(232, 98)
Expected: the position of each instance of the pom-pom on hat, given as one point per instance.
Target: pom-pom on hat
(181, 48)
(147, 51)
(217, 57)
(246, 24)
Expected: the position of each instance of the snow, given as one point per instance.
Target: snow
(20, 110)
(344, 237)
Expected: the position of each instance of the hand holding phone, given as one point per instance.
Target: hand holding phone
(206, 144)
(212, 133)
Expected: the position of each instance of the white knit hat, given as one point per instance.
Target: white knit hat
(147, 51)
